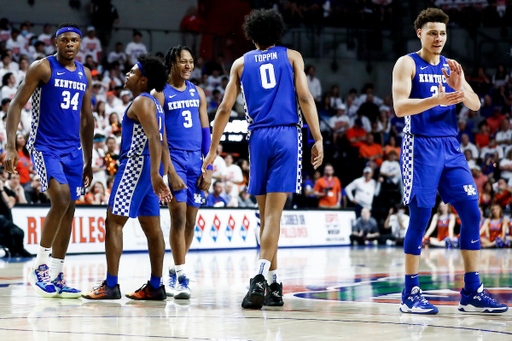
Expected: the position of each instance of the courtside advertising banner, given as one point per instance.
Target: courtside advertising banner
(214, 229)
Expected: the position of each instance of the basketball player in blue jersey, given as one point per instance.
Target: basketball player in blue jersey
(138, 186)
(188, 140)
(60, 141)
(426, 87)
(271, 79)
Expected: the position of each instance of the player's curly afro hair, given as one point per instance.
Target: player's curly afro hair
(155, 70)
(173, 53)
(264, 27)
(430, 15)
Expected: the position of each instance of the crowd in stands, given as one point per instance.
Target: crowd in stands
(362, 135)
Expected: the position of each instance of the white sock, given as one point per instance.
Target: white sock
(42, 256)
(56, 267)
(272, 277)
(180, 270)
(172, 267)
(263, 267)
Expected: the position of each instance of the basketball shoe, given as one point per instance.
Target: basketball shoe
(480, 301)
(63, 291)
(415, 303)
(182, 290)
(274, 295)
(103, 292)
(256, 294)
(40, 280)
(147, 292)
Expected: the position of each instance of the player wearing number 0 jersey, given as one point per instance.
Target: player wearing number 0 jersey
(426, 87)
(271, 79)
(188, 140)
(139, 186)
(60, 141)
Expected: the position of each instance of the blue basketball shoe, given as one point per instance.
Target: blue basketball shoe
(415, 303)
(480, 301)
(63, 291)
(40, 280)
(172, 282)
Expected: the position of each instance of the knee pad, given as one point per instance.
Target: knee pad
(419, 218)
(469, 215)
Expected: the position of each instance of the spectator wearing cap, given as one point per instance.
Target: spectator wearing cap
(356, 135)
(113, 104)
(244, 199)
(466, 145)
(8, 86)
(135, 48)
(491, 148)
(371, 151)
(328, 189)
(126, 97)
(365, 189)
(99, 166)
(16, 44)
(118, 55)
(91, 45)
(479, 177)
(339, 123)
(495, 120)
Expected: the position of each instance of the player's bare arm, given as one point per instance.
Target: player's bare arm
(205, 180)
(307, 104)
(143, 110)
(403, 73)
(224, 110)
(87, 129)
(39, 71)
(175, 181)
(432, 226)
(458, 82)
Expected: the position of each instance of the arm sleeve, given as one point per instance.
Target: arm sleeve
(207, 141)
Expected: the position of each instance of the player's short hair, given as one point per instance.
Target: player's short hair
(430, 15)
(173, 53)
(264, 27)
(156, 71)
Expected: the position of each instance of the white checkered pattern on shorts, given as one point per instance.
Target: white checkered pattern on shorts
(34, 125)
(247, 117)
(298, 189)
(40, 169)
(127, 186)
(407, 166)
(139, 140)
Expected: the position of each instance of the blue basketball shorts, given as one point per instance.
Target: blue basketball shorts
(66, 169)
(275, 156)
(188, 167)
(432, 164)
(132, 194)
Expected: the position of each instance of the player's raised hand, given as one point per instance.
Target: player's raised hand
(317, 154)
(161, 189)
(449, 98)
(87, 177)
(456, 74)
(205, 180)
(176, 182)
(11, 161)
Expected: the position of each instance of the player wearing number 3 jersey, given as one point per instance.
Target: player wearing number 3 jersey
(271, 79)
(62, 123)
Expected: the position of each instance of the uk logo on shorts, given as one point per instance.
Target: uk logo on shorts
(197, 198)
(214, 232)
(198, 231)
(230, 228)
(470, 189)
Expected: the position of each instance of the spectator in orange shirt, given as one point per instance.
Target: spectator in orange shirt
(391, 146)
(24, 167)
(371, 151)
(328, 189)
(482, 137)
(502, 195)
(495, 120)
(356, 135)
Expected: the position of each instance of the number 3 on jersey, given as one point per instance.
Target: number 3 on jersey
(67, 95)
(268, 76)
(188, 118)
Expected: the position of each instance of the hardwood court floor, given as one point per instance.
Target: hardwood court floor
(331, 294)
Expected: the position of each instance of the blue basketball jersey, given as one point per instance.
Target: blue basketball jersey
(182, 122)
(437, 121)
(56, 108)
(268, 89)
(134, 141)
